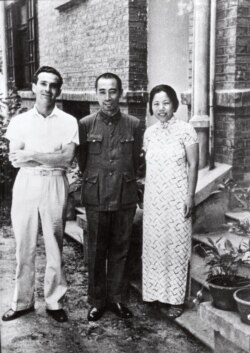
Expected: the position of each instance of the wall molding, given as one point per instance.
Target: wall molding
(90, 96)
(228, 98)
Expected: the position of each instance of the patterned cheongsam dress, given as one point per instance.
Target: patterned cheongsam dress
(166, 232)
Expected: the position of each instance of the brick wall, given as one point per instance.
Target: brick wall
(88, 37)
(233, 48)
(138, 79)
(232, 125)
(232, 85)
(1, 60)
(85, 40)
(138, 45)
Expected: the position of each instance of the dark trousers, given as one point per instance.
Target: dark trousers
(109, 235)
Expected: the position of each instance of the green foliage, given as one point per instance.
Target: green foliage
(240, 195)
(9, 107)
(223, 258)
(75, 177)
(240, 227)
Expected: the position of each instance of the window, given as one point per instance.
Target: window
(21, 26)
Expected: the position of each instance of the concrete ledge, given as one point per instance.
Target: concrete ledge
(90, 96)
(228, 324)
(209, 179)
(229, 98)
(191, 322)
(66, 4)
(198, 270)
(233, 98)
(200, 121)
(74, 231)
(82, 221)
(238, 215)
(26, 95)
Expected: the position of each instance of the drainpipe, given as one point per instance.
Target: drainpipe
(200, 118)
(212, 81)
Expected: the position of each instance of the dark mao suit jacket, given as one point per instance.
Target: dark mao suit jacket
(108, 158)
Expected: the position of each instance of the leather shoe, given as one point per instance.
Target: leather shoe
(13, 314)
(58, 315)
(120, 310)
(174, 311)
(95, 313)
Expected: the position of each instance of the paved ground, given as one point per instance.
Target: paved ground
(37, 333)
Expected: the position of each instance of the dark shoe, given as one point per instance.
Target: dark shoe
(13, 314)
(174, 311)
(58, 315)
(120, 310)
(95, 314)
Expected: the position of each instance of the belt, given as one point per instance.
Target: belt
(44, 172)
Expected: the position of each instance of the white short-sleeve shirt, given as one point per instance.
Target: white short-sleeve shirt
(44, 135)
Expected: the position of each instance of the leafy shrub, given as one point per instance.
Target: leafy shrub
(223, 258)
(9, 107)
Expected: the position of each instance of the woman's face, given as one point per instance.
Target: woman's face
(162, 107)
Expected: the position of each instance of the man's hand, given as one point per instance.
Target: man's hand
(20, 156)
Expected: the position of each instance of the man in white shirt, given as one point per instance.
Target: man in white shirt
(42, 145)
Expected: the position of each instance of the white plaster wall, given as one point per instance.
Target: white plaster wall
(168, 47)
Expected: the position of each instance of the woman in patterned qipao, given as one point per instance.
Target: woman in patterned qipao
(171, 150)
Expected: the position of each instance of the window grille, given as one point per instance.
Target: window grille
(22, 42)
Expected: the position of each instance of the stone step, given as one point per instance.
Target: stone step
(81, 221)
(234, 238)
(190, 320)
(238, 215)
(198, 269)
(74, 231)
(80, 209)
(231, 335)
(208, 180)
(198, 277)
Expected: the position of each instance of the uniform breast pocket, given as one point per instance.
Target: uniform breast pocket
(94, 143)
(126, 144)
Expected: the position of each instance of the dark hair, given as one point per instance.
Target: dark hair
(50, 70)
(169, 91)
(110, 75)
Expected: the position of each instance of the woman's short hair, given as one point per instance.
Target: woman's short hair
(50, 70)
(169, 91)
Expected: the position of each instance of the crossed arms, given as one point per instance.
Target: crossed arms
(26, 158)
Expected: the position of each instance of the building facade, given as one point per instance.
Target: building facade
(145, 42)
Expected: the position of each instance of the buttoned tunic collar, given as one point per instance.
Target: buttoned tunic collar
(110, 119)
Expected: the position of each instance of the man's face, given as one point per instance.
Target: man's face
(46, 89)
(108, 95)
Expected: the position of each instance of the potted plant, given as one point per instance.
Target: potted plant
(223, 260)
(242, 298)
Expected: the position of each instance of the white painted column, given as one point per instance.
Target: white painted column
(200, 118)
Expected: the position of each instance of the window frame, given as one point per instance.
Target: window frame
(22, 64)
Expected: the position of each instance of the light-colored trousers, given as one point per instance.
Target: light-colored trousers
(37, 196)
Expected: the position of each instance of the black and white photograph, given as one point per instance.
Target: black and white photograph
(124, 176)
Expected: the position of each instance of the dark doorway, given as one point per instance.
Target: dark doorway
(76, 108)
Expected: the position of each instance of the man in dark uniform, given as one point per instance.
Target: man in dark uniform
(108, 157)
